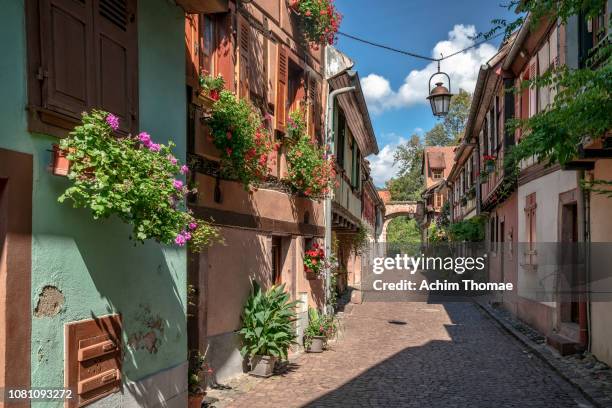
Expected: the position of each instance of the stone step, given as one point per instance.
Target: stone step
(562, 344)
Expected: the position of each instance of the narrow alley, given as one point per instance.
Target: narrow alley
(412, 354)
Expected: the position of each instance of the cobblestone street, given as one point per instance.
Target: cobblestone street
(412, 355)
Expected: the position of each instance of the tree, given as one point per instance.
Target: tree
(403, 230)
(407, 185)
(458, 112)
(437, 136)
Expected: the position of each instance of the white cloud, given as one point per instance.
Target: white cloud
(381, 165)
(462, 69)
(418, 130)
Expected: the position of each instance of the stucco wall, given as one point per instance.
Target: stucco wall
(601, 231)
(94, 265)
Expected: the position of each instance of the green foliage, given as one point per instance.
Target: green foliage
(319, 325)
(456, 119)
(132, 178)
(581, 108)
(403, 230)
(436, 233)
(437, 136)
(320, 20)
(198, 368)
(267, 322)
(603, 187)
(359, 240)
(237, 131)
(470, 230)
(309, 170)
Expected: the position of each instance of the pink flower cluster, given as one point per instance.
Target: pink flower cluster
(184, 236)
(146, 141)
(112, 121)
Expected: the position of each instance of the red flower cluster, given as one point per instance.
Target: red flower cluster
(314, 259)
(321, 19)
(488, 157)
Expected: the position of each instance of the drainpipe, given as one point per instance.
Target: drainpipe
(478, 184)
(584, 317)
(327, 204)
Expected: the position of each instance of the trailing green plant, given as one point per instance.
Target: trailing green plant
(320, 20)
(241, 137)
(319, 325)
(470, 230)
(296, 126)
(212, 85)
(133, 178)
(267, 322)
(359, 240)
(310, 170)
(198, 369)
(436, 233)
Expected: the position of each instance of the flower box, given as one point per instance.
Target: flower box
(61, 164)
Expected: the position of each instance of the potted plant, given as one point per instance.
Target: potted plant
(211, 86)
(320, 328)
(314, 261)
(198, 368)
(267, 328)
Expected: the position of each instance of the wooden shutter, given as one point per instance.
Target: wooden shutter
(257, 70)
(115, 37)
(244, 41)
(509, 109)
(224, 52)
(281, 88)
(66, 72)
(314, 95)
(192, 42)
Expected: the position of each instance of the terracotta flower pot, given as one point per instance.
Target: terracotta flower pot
(317, 344)
(61, 164)
(195, 401)
(311, 275)
(262, 366)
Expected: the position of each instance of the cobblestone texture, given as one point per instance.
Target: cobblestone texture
(446, 355)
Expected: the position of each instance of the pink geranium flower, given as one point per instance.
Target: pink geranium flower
(112, 121)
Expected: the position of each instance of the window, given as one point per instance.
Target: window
(439, 200)
(436, 174)
(81, 55)
(341, 138)
(276, 260)
(208, 41)
(530, 228)
(355, 167)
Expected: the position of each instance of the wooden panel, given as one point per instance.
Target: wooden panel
(114, 34)
(93, 359)
(281, 88)
(257, 75)
(66, 36)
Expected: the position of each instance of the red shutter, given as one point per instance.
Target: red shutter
(281, 88)
(244, 41)
(66, 71)
(115, 37)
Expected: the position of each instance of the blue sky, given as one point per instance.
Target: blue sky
(396, 85)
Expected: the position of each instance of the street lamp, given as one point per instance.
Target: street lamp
(440, 96)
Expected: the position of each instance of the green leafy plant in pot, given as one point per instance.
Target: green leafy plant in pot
(198, 369)
(267, 328)
(320, 328)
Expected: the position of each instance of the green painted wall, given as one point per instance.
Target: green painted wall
(93, 263)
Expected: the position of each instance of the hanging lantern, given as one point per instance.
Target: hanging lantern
(440, 96)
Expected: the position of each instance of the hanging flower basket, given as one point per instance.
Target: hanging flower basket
(319, 19)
